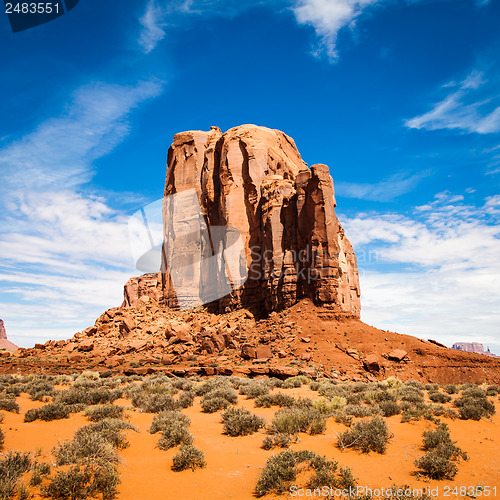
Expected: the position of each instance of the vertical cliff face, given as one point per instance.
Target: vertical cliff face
(252, 193)
(4, 342)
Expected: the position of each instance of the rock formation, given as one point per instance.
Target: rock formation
(4, 343)
(472, 347)
(247, 195)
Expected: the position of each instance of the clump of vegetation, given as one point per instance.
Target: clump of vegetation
(278, 399)
(9, 404)
(366, 435)
(2, 439)
(83, 481)
(100, 412)
(329, 406)
(188, 457)
(174, 428)
(39, 471)
(12, 466)
(359, 410)
(388, 408)
(493, 390)
(441, 452)
(473, 404)
(96, 441)
(51, 411)
(186, 399)
(153, 402)
(88, 393)
(40, 390)
(218, 399)
(295, 382)
(439, 397)
(296, 419)
(281, 440)
(281, 471)
(450, 388)
(254, 389)
(240, 422)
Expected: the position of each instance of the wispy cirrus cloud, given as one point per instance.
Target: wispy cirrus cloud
(434, 273)
(152, 26)
(472, 106)
(384, 191)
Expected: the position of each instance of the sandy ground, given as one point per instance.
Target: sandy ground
(234, 464)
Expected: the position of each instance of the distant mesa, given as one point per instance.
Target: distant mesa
(473, 347)
(4, 343)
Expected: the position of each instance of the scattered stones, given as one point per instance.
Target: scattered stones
(397, 355)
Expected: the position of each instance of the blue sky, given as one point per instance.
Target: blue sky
(399, 97)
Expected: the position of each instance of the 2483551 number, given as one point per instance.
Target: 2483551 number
(32, 8)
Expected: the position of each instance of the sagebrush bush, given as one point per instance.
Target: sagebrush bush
(39, 471)
(8, 404)
(12, 466)
(281, 470)
(186, 399)
(366, 435)
(51, 411)
(87, 394)
(450, 388)
(388, 408)
(188, 457)
(211, 405)
(174, 428)
(327, 406)
(254, 389)
(439, 439)
(295, 419)
(435, 466)
(474, 405)
(240, 422)
(40, 390)
(2, 439)
(154, 402)
(295, 382)
(359, 410)
(439, 397)
(278, 399)
(84, 481)
(100, 412)
(280, 440)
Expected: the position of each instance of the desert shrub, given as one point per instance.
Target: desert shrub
(227, 393)
(167, 418)
(280, 440)
(100, 412)
(474, 392)
(254, 389)
(14, 390)
(175, 435)
(8, 404)
(153, 402)
(388, 408)
(474, 407)
(182, 384)
(188, 457)
(433, 438)
(392, 382)
(414, 383)
(295, 419)
(295, 382)
(213, 383)
(314, 386)
(450, 388)
(186, 399)
(110, 429)
(358, 410)
(366, 435)
(278, 399)
(174, 428)
(493, 390)
(2, 439)
(439, 397)
(377, 395)
(84, 481)
(240, 422)
(327, 406)
(39, 471)
(281, 470)
(12, 466)
(51, 411)
(212, 405)
(341, 418)
(87, 394)
(40, 390)
(410, 394)
(431, 387)
(436, 466)
(96, 441)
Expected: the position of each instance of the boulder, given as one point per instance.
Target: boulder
(263, 352)
(397, 355)
(371, 363)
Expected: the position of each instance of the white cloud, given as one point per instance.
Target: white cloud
(328, 17)
(435, 273)
(385, 190)
(153, 24)
(465, 109)
(65, 251)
